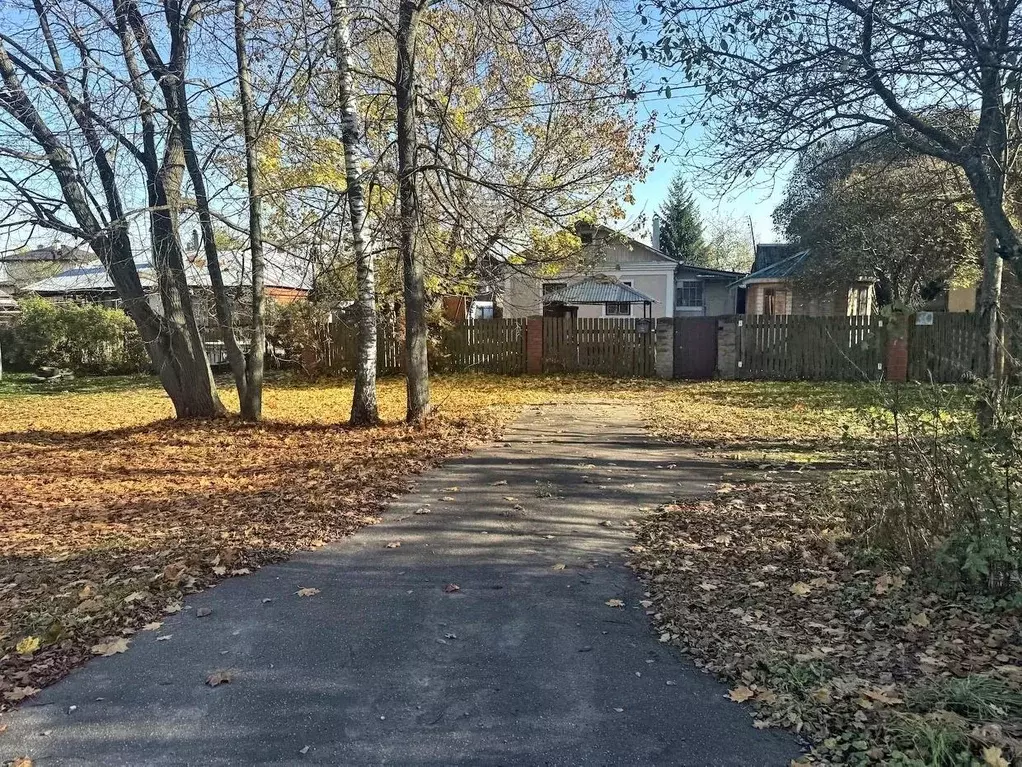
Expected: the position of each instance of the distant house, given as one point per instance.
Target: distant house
(20, 268)
(704, 292)
(612, 255)
(773, 287)
(288, 278)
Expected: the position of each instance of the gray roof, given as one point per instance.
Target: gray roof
(283, 270)
(598, 290)
(55, 253)
(710, 274)
(781, 270)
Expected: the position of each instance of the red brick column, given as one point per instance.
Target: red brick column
(534, 345)
(896, 358)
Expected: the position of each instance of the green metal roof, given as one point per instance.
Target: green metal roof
(598, 290)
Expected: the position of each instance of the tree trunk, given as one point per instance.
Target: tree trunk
(990, 306)
(364, 409)
(252, 399)
(416, 333)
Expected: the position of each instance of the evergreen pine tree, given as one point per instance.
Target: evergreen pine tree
(681, 233)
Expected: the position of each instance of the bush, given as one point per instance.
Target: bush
(944, 492)
(85, 338)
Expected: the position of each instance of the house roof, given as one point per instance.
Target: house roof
(605, 233)
(779, 270)
(55, 253)
(770, 253)
(598, 289)
(283, 270)
(712, 274)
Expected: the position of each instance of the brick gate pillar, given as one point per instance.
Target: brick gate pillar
(534, 345)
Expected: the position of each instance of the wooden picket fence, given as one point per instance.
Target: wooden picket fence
(948, 351)
(791, 347)
(619, 347)
(484, 346)
(339, 349)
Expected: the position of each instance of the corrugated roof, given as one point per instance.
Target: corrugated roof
(598, 290)
(789, 267)
(283, 270)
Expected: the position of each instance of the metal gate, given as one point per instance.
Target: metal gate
(695, 347)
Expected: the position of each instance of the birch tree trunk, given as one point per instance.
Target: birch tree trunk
(364, 410)
(252, 396)
(416, 333)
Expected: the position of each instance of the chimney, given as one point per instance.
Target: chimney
(194, 241)
(656, 231)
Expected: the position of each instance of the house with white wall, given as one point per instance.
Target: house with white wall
(615, 257)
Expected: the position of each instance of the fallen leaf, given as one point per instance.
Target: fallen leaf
(920, 619)
(800, 589)
(219, 677)
(993, 757)
(27, 646)
(450, 588)
(741, 694)
(112, 647)
(20, 693)
(152, 626)
(394, 545)
(22, 761)
(558, 566)
(614, 603)
(203, 612)
(307, 592)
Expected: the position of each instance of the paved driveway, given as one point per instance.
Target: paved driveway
(389, 664)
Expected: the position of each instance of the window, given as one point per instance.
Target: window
(617, 310)
(553, 287)
(690, 294)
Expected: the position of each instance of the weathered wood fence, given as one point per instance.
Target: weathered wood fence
(821, 348)
(620, 347)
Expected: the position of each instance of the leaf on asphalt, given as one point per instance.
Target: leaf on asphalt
(558, 566)
(164, 637)
(307, 592)
(152, 626)
(741, 694)
(203, 612)
(112, 647)
(448, 499)
(20, 693)
(614, 603)
(172, 607)
(499, 483)
(27, 646)
(394, 545)
(303, 750)
(450, 588)
(218, 678)
(22, 761)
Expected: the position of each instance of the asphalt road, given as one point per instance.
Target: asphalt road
(388, 664)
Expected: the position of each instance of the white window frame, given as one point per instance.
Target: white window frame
(680, 294)
(607, 313)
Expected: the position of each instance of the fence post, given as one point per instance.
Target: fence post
(896, 347)
(664, 347)
(727, 347)
(534, 345)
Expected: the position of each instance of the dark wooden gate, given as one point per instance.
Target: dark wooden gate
(695, 347)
